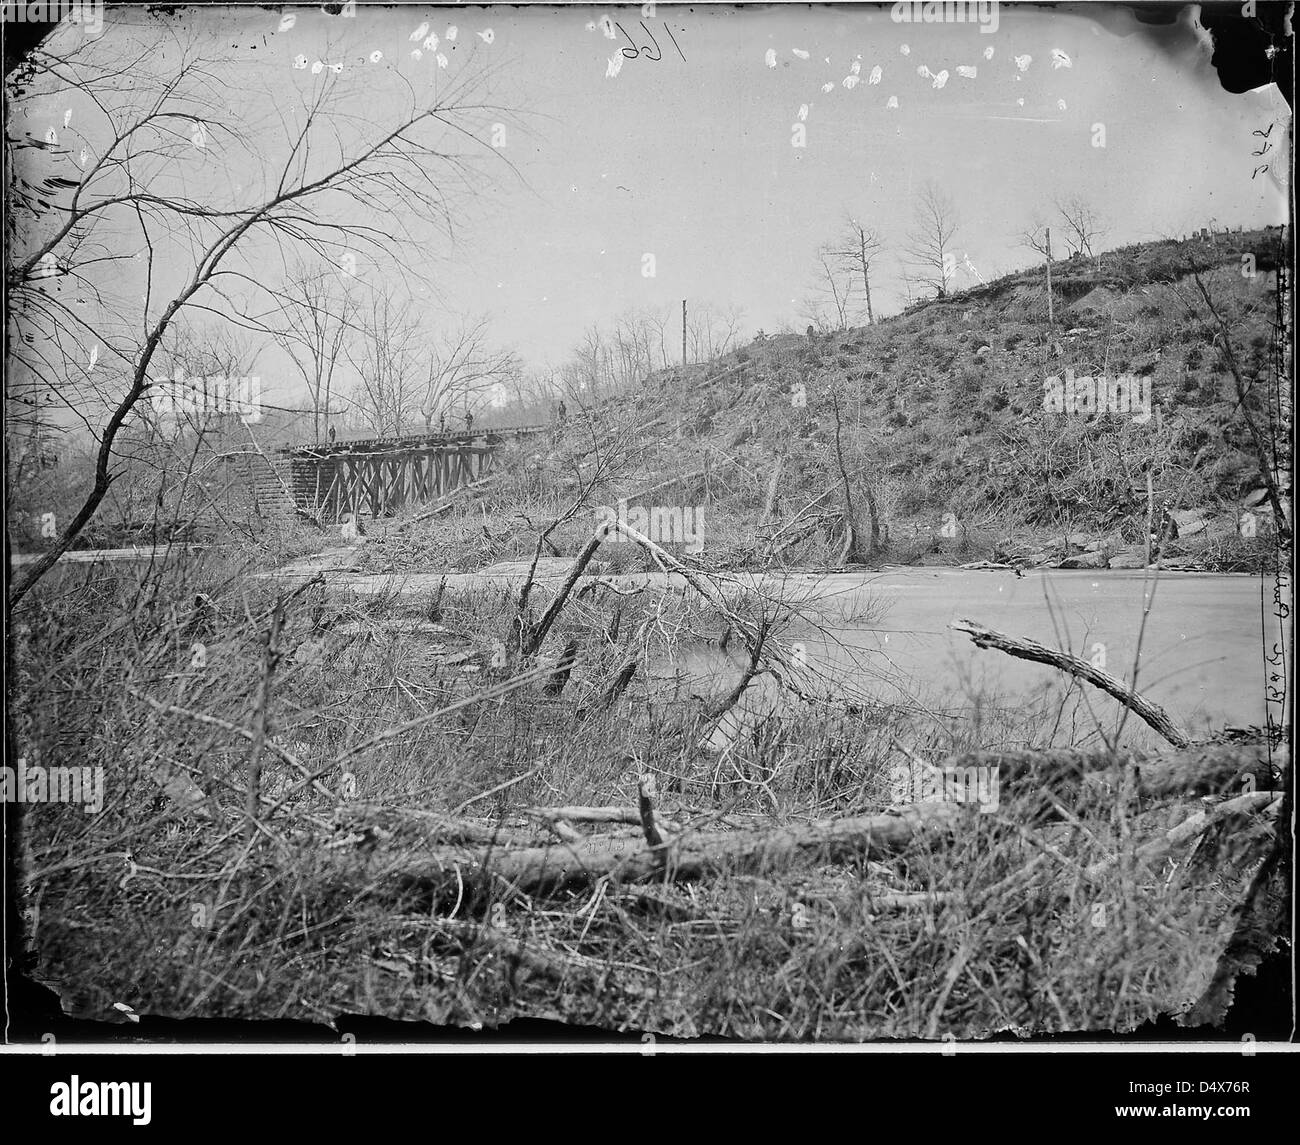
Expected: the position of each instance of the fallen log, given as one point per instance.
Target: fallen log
(1023, 648)
(560, 866)
(443, 829)
(1199, 769)
(1191, 828)
(1067, 774)
(626, 815)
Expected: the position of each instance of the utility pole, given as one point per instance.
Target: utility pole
(1050, 323)
(683, 331)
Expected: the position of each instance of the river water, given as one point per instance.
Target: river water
(1198, 655)
(885, 635)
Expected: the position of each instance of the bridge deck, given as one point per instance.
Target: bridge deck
(418, 441)
(382, 475)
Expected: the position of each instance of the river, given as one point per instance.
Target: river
(885, 634)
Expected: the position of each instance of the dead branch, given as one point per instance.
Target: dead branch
(447, 502)
(560, 866)
(674, 480)
(270, 660)
(1025, 649)
(438, 827)
(588, 814)
(618, 685)
(533, 636)
(646, 808)
(1190, 828)
(772, 486)
(1199, 770)
(751, 670)
(554, 684)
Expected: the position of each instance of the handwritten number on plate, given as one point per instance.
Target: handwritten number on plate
(628, 53)
(647, 31)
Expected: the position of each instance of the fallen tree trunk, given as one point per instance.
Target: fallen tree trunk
(1202, 770)
(1192, 827)
(560, 866)
(1199, 769)
(1023, 648)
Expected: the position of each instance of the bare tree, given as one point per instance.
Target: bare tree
(929, 243)
(319, 313)
(660, 323)
(1034, 237)
(827, 305)
(1082, 225)
(711, 330)
(463, 368)
(857, 247)
(589, 369)
(387, 356)
(117, 197)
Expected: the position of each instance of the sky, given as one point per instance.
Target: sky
(585, 162)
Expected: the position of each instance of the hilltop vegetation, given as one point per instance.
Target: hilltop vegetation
(936, 417)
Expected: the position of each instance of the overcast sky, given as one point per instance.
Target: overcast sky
(692, 160)
(689, 157)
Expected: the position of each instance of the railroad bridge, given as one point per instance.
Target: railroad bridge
(379, 476)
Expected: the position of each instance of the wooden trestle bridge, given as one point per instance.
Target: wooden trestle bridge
(379, 476)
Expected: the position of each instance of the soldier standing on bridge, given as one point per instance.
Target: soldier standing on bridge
(469, 422)
(442, 422)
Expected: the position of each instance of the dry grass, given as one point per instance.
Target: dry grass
(995, 928)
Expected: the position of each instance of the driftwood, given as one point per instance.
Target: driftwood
(559, 866)
(1201, 769)
(1025, 649)
(588, 814)
(442, 829)
(1193, 827)
(684, 853)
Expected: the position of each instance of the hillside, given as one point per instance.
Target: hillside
(941, 423)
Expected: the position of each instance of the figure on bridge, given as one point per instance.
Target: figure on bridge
(469, 422)
(442, 422)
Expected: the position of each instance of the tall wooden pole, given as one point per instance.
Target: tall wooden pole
(1050, 323)
(683, 331)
